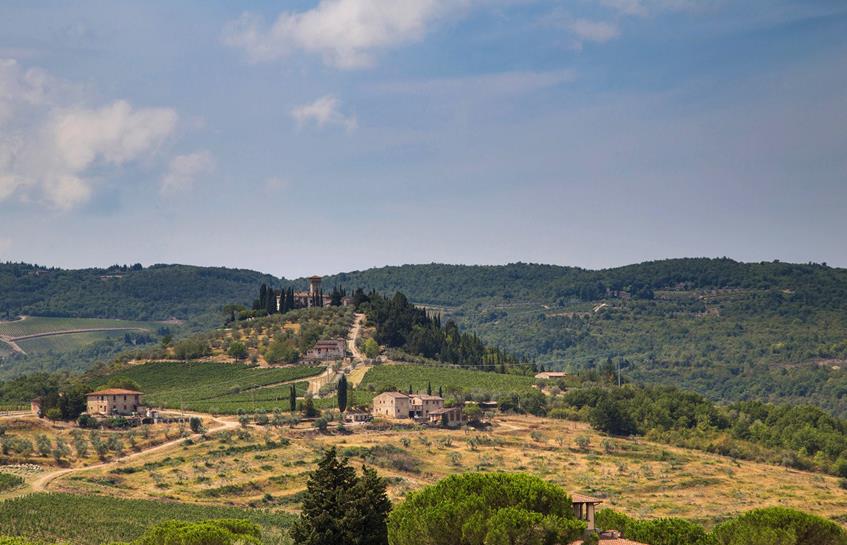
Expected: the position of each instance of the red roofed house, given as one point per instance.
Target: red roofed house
(113, 401)
(327, 349)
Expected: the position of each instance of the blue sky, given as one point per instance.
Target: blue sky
(301, 137)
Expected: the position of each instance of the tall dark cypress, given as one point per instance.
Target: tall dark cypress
(292, 399)
(342, 394)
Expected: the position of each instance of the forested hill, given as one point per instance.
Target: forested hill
(158, 292)
(730, 330)
(439, 284)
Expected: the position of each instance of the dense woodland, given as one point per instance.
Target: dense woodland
(400, 324)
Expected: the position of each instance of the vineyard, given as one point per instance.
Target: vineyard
(216, 387)
(400, 377)
(38, 324)
(92, 520)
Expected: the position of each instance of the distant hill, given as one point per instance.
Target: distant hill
(158, 292)
(730, 330)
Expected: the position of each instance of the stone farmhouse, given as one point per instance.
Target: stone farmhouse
(114, 401)
(420, 407)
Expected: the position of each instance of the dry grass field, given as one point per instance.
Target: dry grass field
(269, 469)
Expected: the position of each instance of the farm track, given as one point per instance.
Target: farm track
(75, 331)
(42, 483)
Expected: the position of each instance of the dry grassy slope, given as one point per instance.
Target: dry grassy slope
(638, 477)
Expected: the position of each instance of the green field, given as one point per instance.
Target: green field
(401, 376)
(208, 386)
(38, 324)
(92, 520)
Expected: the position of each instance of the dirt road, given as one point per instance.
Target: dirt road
(355, 331)
(42, 483)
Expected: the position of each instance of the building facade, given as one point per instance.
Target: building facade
(392, 405)
(421, 405)
(113, 401)
(329, 349)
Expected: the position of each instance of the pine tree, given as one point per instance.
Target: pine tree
(342, 394)
(325, 503)
(367, 512)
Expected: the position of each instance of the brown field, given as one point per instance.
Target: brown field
(641, 478)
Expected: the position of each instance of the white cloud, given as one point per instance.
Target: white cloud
(345, 33)
(185, 169)
(50, 142)
(587, 30)
(323, 111)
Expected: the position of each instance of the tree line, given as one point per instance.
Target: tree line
(400, 324)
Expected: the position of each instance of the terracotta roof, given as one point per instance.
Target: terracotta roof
(112, 392)
(394, 394)
(443, 411)
(581, 498)
(426, 397)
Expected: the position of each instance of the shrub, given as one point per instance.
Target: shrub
(489, 508)
(779, 525)
(210, 532)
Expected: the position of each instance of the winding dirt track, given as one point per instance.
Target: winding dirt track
(43, 482)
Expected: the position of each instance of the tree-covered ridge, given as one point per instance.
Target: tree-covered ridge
(400, 324)
(442, 284)
(158, 292)
(802, 437)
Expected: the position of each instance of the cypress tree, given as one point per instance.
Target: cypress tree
(342, 394)
(410, 389)
(292, 398)
(440, 394)
(321, 521)
(270, 303)
(429, 388)
(367, 511)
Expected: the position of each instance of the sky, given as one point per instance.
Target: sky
(306, 137)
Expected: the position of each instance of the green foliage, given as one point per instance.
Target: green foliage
(370, 347)
(341, 393)
(798, 436)
(237, 350)
(94, 520)
(208, 532)
(340, 507)
(456, 382)
(400, 324)
(8, 481)
(210, 386)
(490, 508)
(780, 525)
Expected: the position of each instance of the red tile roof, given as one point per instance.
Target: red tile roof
(581, 498)
(113, 392)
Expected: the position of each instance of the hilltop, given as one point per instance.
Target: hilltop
(730, 330)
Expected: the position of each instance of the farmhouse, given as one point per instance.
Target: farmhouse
(113, 401)
(328, 349)
(450, 417)
(392, 405)
(421, 405)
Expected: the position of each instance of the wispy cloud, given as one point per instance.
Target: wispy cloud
(184, 170)
(345, 33)
(322, 112)
(51, 142)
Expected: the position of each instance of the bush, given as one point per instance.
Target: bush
(210, 532)
(237, 350)
(54, 413)
(778, 525)
(86, 421)
(8, 481)
(489, 508)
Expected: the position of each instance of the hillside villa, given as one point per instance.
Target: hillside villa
(420, 407)
(328, 349)
(113, 401)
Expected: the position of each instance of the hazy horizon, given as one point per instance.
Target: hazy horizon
(338, 135)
